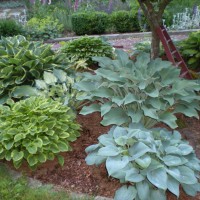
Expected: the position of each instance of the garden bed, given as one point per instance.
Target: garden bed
(76, 176)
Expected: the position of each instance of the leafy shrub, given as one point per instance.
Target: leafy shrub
(146, 91)
(190, 49)
(43, 29)
(125, 21)
(9, 27)
(22, 61)
(89, 23)
(35, 130)
(87, 47)
(152, 161)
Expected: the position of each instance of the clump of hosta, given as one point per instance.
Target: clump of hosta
(149, 161)
(22, 61)
(36, 130)
(146, 91)
(56, 84)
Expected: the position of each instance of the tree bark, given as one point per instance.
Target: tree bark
(154, 19)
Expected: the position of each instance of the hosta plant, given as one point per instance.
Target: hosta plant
(35, 130)
(87, 47)
(150, 162)
(56, 84)
(190, 49)
(22, 61)
(146, 91)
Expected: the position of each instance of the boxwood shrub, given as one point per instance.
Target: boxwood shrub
(89, 22)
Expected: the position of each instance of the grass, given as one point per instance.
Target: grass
(19, 190)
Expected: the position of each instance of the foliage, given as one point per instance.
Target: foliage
(56, 84)
(89, 22)
(190, 49)
(20, 189)
(22, 62)
(43, 29)
(86, 48)
(152, 161)
(35, 130)
(124, 21)
(146, 91)
(9, 27)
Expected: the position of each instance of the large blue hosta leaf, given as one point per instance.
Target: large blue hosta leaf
(125, 193)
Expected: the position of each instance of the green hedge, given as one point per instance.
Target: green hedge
(89, 23)
(125, 21)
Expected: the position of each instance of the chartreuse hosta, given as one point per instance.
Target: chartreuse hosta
(35, 130)
(142, 92)
(146, 91)
(149, 161)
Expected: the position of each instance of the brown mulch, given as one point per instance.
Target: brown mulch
(76, 176)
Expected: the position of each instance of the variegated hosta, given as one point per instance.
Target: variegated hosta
(36, 130)
(22, 61)
(146, 91)
(56, 84)
(150, 161)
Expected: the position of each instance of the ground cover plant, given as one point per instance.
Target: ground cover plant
(36, 130)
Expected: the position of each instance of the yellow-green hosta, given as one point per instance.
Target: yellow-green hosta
(35, 130)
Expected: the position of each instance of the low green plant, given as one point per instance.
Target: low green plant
(11, 4)
(9, 27)
(89, 22)
(43, 29)
(22, 62)
(36, 130)
(125, 21)
(86, 48)
(148, 161)
(190, 49)
(146, 91)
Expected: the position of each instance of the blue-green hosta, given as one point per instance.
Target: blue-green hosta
(22, 61)
(36, 130)
(144, 90)
(149, 161)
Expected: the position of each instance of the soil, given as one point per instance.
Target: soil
(76, 176)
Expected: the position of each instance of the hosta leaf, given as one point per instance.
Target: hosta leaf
(42, 157)
(61, 160)
(115, 116)
(182, 174)
(32, 160)
(138, 150)
(143, 190)
(103, 92)
(174, 160)
(91, 148)
(185, 149)
(191, 189)
(150, 112)
(125, 193)
(94, 159)
(19, 136)
(133, 176)
(49, 78)
(24, 91)
(108, 151)
(9, 145)
(63, 146)
(129, 98)
(143, 161)
(158, 194)
(135, 116)
(106, 140)
(40, 84)
(173, 150)
(17, 155)
(113, 164)
(60, 74)
(158, 177)
(90, 109)
(169, 119)
(32, 148)
(173, 186)
(105, 108)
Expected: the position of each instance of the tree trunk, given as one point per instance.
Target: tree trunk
(155, 45)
